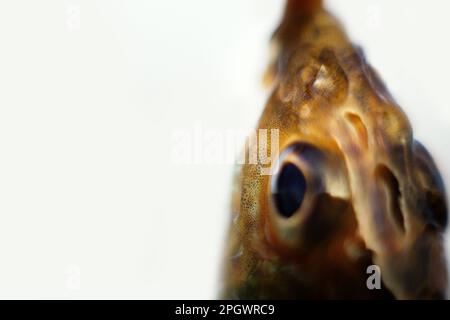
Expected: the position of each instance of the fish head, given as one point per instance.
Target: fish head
(349, 187)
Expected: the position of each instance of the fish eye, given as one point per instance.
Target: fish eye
(289, 189)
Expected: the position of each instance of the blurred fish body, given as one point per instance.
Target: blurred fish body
(350, 188)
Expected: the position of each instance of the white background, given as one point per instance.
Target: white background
(91, 204)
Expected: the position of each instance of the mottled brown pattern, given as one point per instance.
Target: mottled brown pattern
(374, 194)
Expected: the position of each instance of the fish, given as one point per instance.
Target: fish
(351, 195)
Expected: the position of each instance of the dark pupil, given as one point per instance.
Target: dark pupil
(290, 188)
